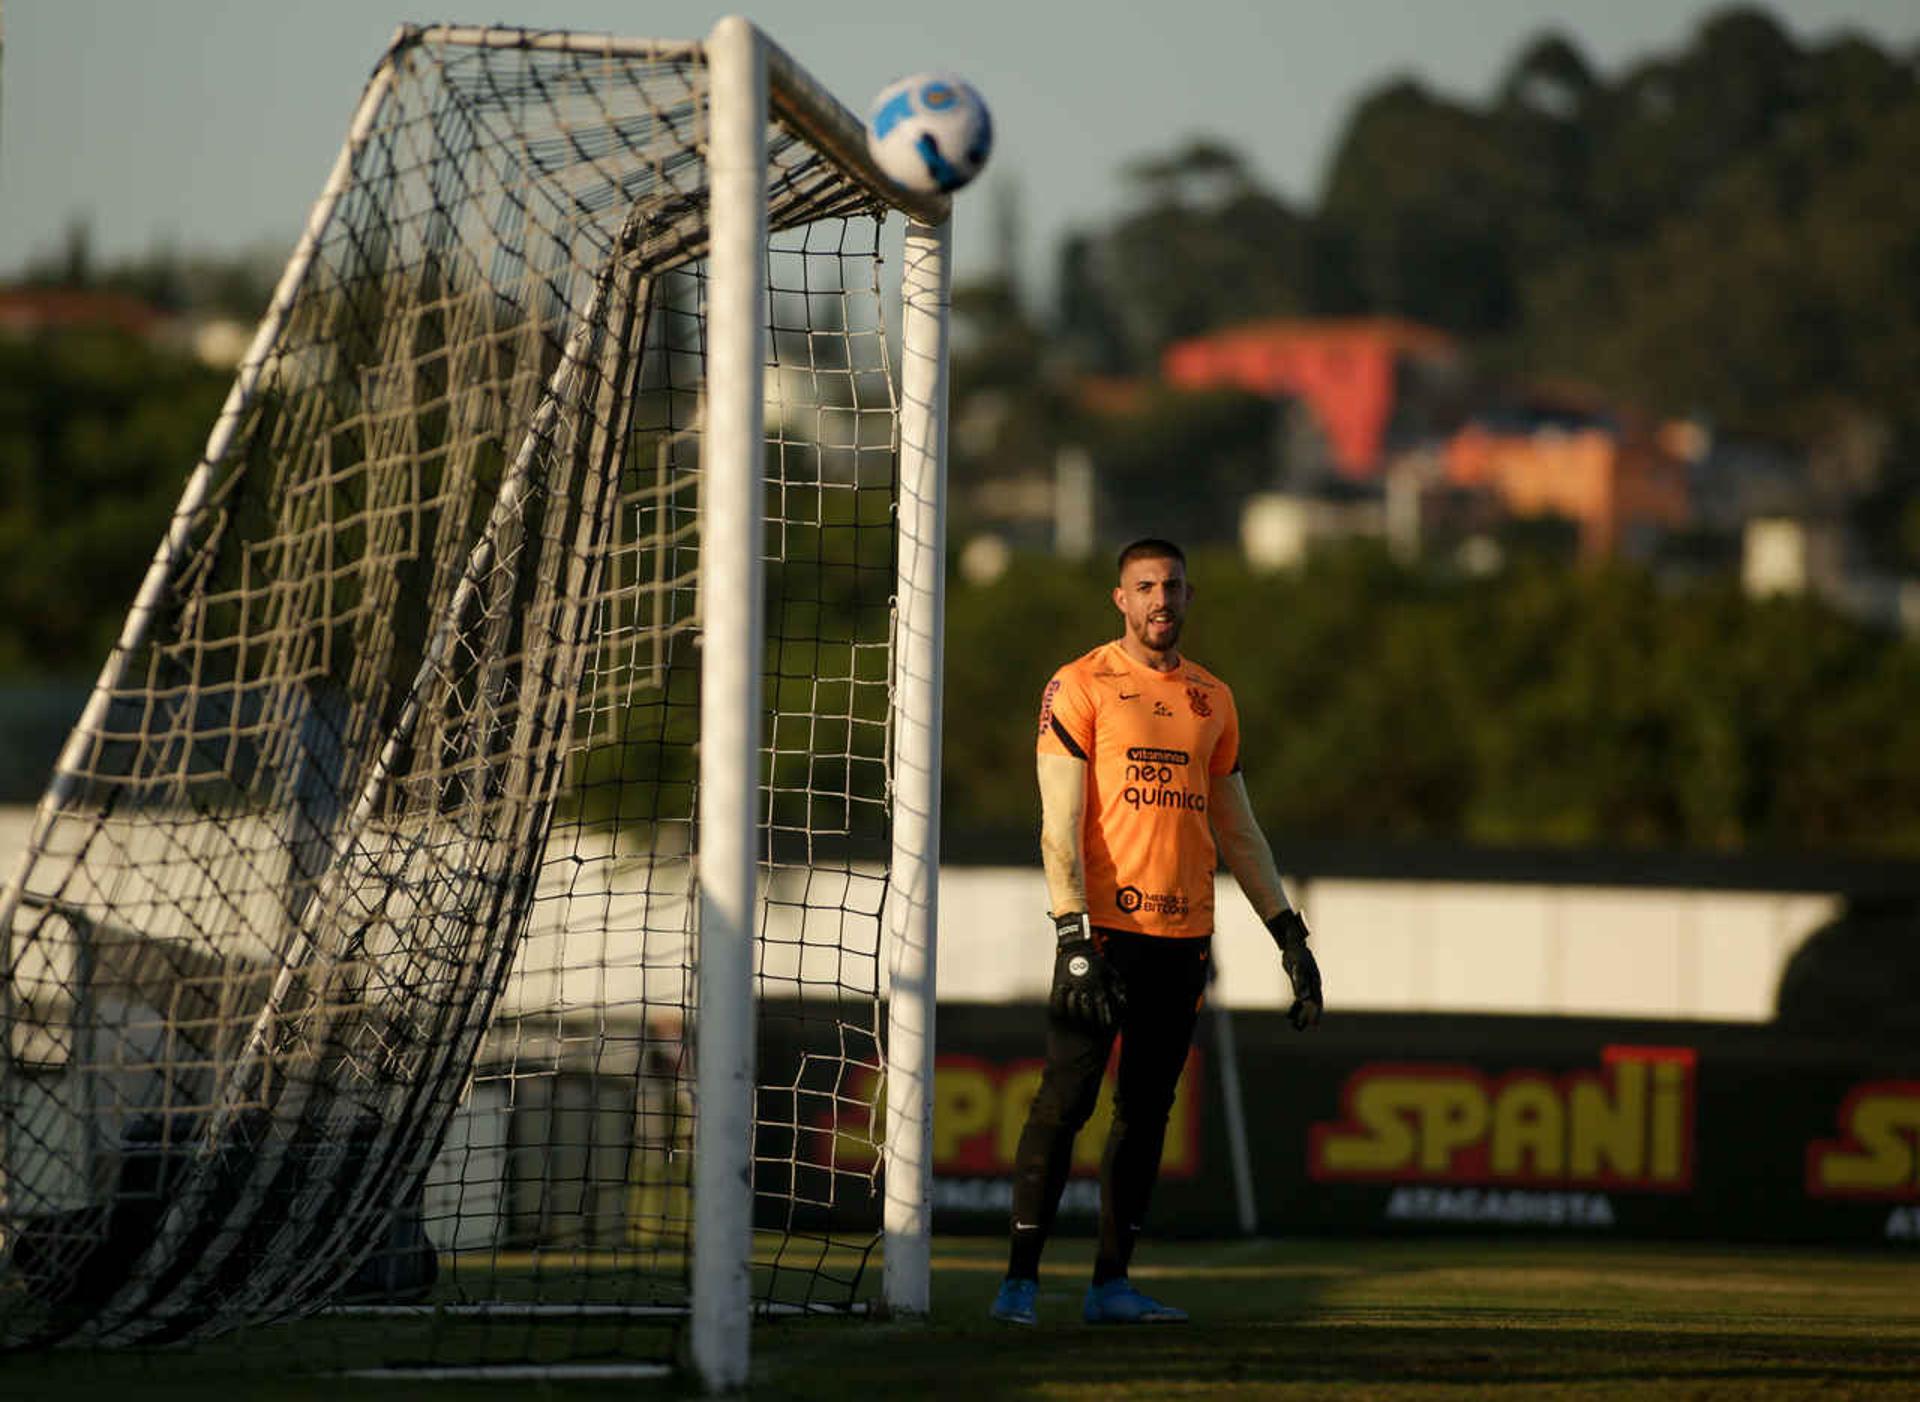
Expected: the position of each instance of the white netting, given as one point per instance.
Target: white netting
(359, 918)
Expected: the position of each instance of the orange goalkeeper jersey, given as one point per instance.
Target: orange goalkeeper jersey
(1152, 742)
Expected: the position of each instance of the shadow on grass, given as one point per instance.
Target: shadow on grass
(1350, 1357)
(1389, 1320)
(1329, 1320)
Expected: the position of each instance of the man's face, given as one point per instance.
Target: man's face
(1153, 596)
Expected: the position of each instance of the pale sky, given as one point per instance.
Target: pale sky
(210, 124)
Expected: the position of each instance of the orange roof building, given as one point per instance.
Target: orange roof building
(1348, 371)
(28, 310)
(1607, 479)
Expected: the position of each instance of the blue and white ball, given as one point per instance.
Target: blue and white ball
(929, 132)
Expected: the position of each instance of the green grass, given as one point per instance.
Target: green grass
(1330, 1320)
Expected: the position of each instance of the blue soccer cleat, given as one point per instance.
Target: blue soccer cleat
(1014, 1302)
(1117, 1302)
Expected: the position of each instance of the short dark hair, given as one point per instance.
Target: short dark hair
(1150, 548)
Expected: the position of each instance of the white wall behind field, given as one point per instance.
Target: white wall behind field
(1432, 946)
(1435, 946)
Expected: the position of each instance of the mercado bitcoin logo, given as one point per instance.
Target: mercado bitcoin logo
(1628, 1125)
(1877, 1153)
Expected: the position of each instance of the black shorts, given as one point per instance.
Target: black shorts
(1166, 980)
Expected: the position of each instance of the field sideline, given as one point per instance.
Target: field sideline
(1328, 1319)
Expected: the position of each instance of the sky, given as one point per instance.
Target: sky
(211, 124)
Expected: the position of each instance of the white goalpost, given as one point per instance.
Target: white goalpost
(491, 886)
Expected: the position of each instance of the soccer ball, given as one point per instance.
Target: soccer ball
(929, 132)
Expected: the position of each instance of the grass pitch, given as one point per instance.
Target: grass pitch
(1336, 1320)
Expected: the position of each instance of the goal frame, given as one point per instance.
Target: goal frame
(750, 77)
(751, 82)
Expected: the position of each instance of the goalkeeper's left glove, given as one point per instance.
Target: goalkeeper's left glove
(1289, 931)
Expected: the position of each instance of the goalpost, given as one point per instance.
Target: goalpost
(532, 709)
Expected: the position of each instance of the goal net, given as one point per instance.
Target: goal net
(532, 674)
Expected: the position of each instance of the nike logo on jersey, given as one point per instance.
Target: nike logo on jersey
(1129, 696)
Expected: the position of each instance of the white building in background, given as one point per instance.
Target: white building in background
(1791, 556)
(1278, 529)
(1786, 555)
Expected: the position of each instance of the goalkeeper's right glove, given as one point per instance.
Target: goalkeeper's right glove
(1086, 989)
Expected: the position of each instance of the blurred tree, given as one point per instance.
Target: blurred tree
(97, 436)
(1011, 406)
(1779, 304)
(1419, 205)
(1545, 116)
(1204, 245)
(1179, 464)
(1670, 125)
(1543, 707)
(1004, 640)
(1727, 230)
(235, 285)
(1354, 690)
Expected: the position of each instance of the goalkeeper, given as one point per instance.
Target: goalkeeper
(1140, 778)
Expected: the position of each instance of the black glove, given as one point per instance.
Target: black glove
(1289, 931)
(1086, 990)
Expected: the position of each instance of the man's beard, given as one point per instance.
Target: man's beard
(1144, 633)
